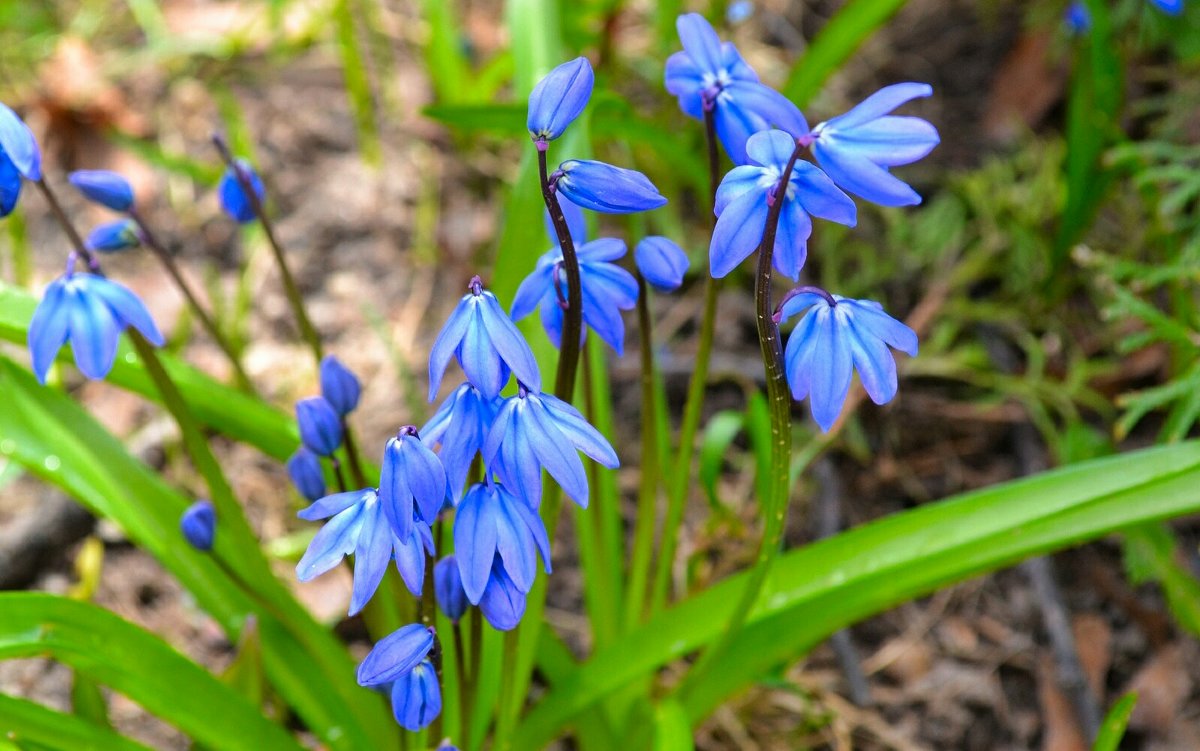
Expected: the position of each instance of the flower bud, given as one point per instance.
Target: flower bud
(112, 237)
(503, 603)
(305, 470)
(199, 525)
(320, 426)
(661, 262)
(395, 655)
(417, 697)
(447, 585)
(19, 146)
(104, 187)
(234, 200)
(558, 99)
(605, 188)
(339, 386)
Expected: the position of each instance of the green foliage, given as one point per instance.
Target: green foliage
(1112, 730)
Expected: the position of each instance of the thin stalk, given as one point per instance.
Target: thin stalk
(605, 522)
(643, 539)
(337, 472)
(464, 691)
(164, 256)
(681, 474)
(65, 222)
(356, 468)
(779, 401)
(568, 358)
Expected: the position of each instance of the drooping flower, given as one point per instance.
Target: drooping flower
(503, 602)
(339, 385)
(558, 99)
(90, 312)
(307, 475)
(710, 75)
(417, 697)
(199, 525)
(18, 145)
(412, 482)
(112, 237)
(460, 426)
(395, 655)
(320, 426)
(486, 343)
(357, 525)
(104, 187)
(745, 196)
(661, 262)
(836, 336)
(857, 149)
(602, 187)
(447, 586)
(234, 200)
(489, 521)
(536, 431)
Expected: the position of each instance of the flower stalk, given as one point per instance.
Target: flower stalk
(568, 360)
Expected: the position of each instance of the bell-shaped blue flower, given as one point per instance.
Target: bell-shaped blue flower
(486, 343)
(307, 475)
(661, 262)
(234, 200)
(320, 426)
(10, 186)
(357, 525)
(18, 146)
(89, 311)
(558, 99)
(836, 336)
(417, 697)
(460, 426)
(395, 655)
(339, 385)
(1171, 7)
(412, 481)
(199, 525)
(447, 586)
(536, 431)
(112, 237)
(1077, 17)
(605, 188)
(503, 602)
(489, 521)
(857, 148)
(104, 187)
(710, 75)
(746, 194)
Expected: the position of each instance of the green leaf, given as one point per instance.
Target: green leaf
(28, 722)
(137, 664)
(825, 586)
(501, 118)
(672, 730)
(87, 700)
(1151, 555)
(719, 434)
(444, 58)
(1112, 730)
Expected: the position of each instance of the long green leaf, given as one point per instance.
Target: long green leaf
(830, 584)
(1112, 730)
(27, 722)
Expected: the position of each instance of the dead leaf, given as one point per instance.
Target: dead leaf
(1162, 685)
(1093, 642)
(1061, 729)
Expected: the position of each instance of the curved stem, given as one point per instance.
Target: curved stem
(65, 222)
(568, 357)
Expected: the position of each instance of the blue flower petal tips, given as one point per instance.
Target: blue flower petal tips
(602, 187)
(661, 262)
(199, 525)
(18, 145)
(558, 99)
(113, 237)
(339, 385)
(320, 426)
(395, 655)
(104, 187)
(234, 200)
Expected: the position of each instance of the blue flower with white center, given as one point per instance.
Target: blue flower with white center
(710, 75)
(746, 194)
(104, 187)
(857, 148)
(536, 431)
(836, 336)
(234, 200)
(320, 426)
(339, 385)
(417, 697)
(460, 426)
(112, 237)
(503, 602)
(448, 588)
(490, 521)
(19, 157)
(486, 343)
(90, 312)
(602, 187)
(558, 99)
(307, 475)
(357, 525)
(661, 262)
(412, 482)
(199, 525)
(395, 655)
(607, 288)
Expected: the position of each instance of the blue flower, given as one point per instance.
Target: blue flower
(744, 198)
(1077, 18)
(199, 525)
(412, 481)
(417, 697)
(10, 186)
(536, 431)
(395, 655)
(18, 145)
(234, 200)
(357, 525)
(489, 521)
(857, 148)
(1172, 7)
(111, 237)
(103, 187)
(605, 188)
(661, 262)
(320, 426)
(460, 426)
(89, 311)
(307, 475)
(836, 336)
(558, 99)
(339, 385)
(486, 343)
(710, 75)
(447, 586)
(503, 602)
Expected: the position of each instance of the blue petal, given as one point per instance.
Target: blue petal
(820, 196)
(394, 491)
(10, 185)
(104, 187)
(339, 385)
(738, 232)
(417, 697)
(765, 108)
(198, 525)
(742, 180)
(799, 303)
(410, 559)
(862, 177)
(304, 468)
(771, 148)
(608, 189)
(334, 541)
(832, 369)
(371, 555)
(791, 239)
(878, 104)
(18, 143)
(533, 523)
(332, 505)
(514, 543)
(874, 362)
(508, 341)
(801, 353)
(1172, 7)
(661, 262)
(93, 331)
(509, 451)
(320, 426)
(447, 586)
(395, 655)
(426, 478)
(700, 41)
(233, 199)
(49, 326)
(112, 237)
(447, 342)
(684, 80)
(127, 309)
(558, 98)
(479, 358)
(888, 141)
(475, 540)
(603, 249)
(503, 604)
(556, 454)
(552, 319)
(883, 326)
(532, 289)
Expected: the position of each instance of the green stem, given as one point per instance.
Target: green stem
(356, 467)
(643, 540)
(464, 691)
(65, 222)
